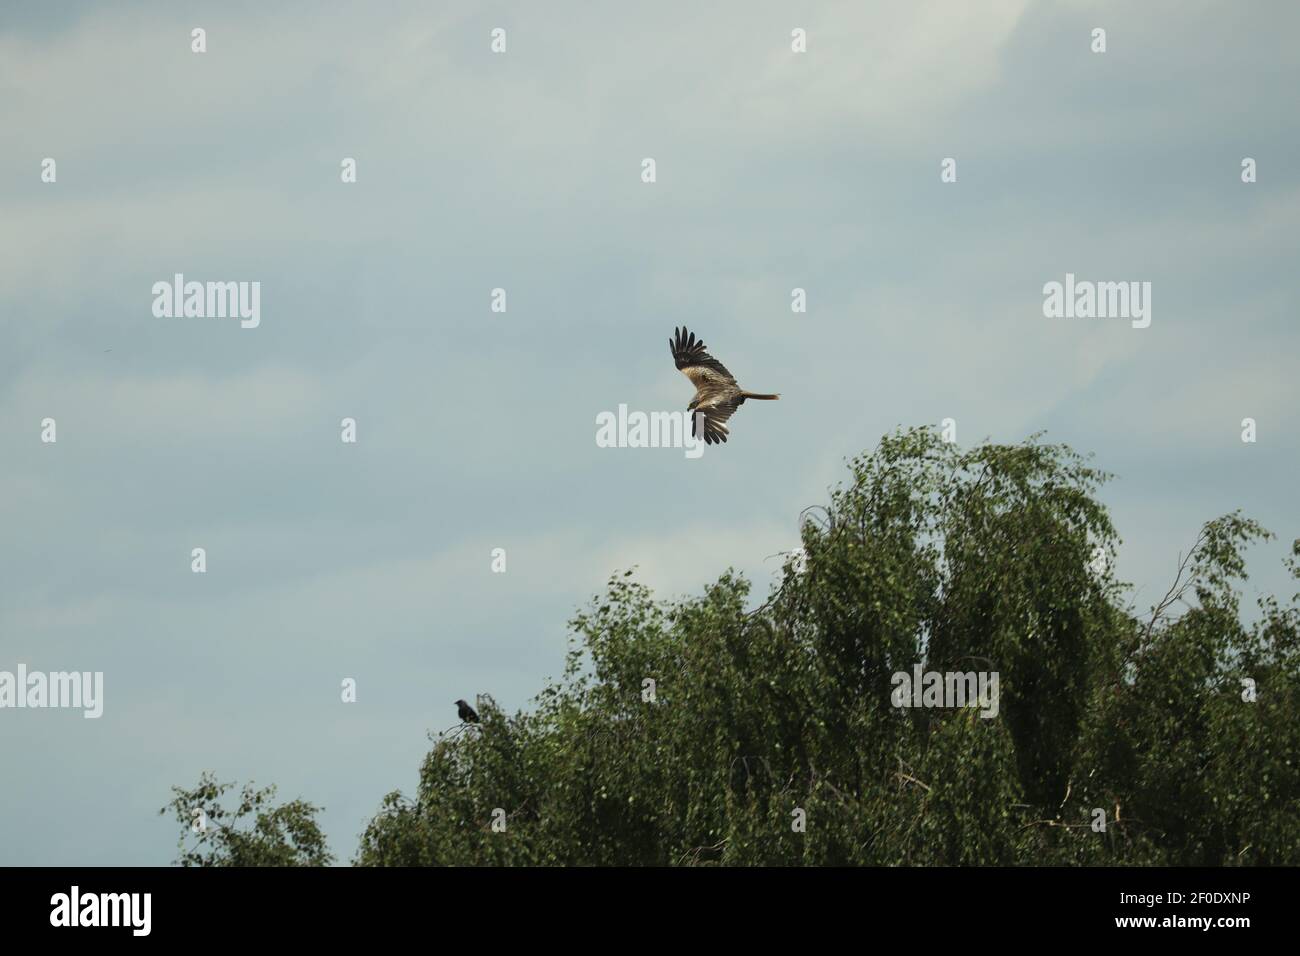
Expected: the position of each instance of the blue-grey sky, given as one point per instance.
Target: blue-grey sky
(522, 170)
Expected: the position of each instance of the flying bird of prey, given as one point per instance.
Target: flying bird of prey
(717, 396)
(466, 712)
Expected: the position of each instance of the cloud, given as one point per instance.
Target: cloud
(102, 410)
(476, 429)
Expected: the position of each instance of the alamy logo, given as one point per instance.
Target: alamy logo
(655, 430)
(1084, 299)
(102, 909)
(56, 689)
(950, 689)
(208, 300)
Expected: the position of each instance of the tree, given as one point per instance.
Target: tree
(773, 735)
(211, 835)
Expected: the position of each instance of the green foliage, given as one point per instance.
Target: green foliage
(285, 835)
(983, 560)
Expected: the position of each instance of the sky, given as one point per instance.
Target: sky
(522, 170)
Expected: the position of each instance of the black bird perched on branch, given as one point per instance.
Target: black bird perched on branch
(717, 396)
(466, 713)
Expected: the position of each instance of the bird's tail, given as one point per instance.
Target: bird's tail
(766, 398)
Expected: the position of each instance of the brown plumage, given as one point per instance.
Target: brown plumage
(717, 396)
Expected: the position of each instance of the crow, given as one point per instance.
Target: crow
(466, 712)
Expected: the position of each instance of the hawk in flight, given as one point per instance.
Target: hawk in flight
(717, 396)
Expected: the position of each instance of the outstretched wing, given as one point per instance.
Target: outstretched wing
(711, 420)
(697, 364)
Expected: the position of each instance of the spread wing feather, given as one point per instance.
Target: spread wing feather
(690, 356)
(711, 420)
